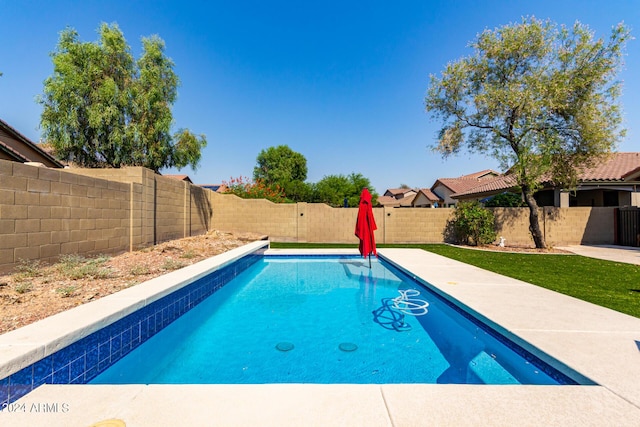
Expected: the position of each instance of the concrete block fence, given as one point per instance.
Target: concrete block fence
(46, 213)
(317, 222)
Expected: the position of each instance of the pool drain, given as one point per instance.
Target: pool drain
(284, 346)
(348, 347)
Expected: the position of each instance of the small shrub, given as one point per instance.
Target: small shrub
(189, 255)
(66, 291)
(78, 267)
(139, 270)
(29, 268)
(70, 260)
(473, 224)
(24, 287)
(171, 264)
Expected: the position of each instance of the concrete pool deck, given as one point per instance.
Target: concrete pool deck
(601, 344)
(626, 254)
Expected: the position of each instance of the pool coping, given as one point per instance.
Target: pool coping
(599, 343)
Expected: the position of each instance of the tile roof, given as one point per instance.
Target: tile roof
(218, 188)
(430, 195)
(395, 192)
(480, 175)
(393, 202)
(491, 186)
(466, 182)
(180, 177)
(457, 185)
(616, 167)
(619, 167)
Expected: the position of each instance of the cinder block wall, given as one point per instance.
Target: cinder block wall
(171, 202)
(582, 225)
(45, 213)
(416, 225)
(142, 186)
(323, 224)
(560, 226)
(231, 213)
(200, 211)
(164, 208)
(317, 222)
(513, 225)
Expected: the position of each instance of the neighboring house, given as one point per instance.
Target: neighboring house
(180, 178)
(16, 147)
(445, 188)
(614, 181)
(397, 197)
(426, 199)
(489, 188)
(216, 188)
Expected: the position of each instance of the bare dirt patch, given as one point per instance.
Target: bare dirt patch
(34, 291)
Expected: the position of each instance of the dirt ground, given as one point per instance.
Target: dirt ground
(34, 291)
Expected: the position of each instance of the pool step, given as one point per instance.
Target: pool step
(483, 369)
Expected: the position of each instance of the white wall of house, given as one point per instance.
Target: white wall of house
(421, 201)
(445, 194)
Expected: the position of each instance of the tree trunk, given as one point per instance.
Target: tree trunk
(534, 225)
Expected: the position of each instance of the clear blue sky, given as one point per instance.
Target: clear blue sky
(341, 82)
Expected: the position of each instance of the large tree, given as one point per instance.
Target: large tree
(281, 166)
(540, 98)
(104, 109)
(333, 189)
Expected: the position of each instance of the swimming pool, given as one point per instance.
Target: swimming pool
(327, 319)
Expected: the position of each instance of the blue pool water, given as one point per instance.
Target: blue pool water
(326, 320)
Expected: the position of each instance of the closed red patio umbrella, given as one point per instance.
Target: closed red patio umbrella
(365, 226)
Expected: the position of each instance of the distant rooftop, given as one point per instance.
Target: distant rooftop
(218, 188)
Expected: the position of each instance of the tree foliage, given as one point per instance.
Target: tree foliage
(280, 175)
(256, 189)
(505, 200)
(332, 190)
(104, 109)
(280, 165)
(539, 98)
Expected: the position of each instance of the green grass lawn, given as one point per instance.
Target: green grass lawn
(609, 284)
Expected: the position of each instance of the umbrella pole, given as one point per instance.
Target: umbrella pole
(369, 259)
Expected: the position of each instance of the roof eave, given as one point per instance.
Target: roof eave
(26, 141)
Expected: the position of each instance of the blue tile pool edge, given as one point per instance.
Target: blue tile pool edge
(84, 359)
